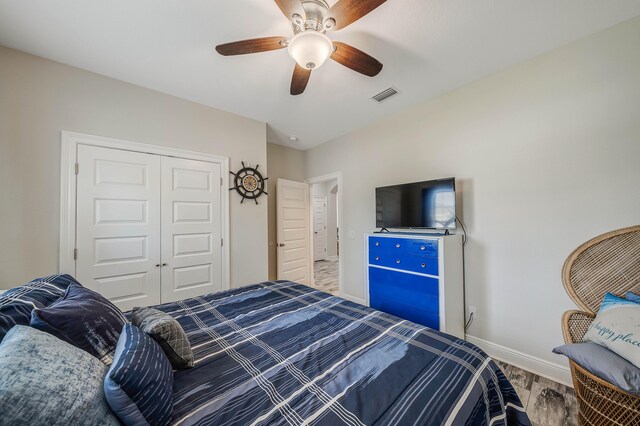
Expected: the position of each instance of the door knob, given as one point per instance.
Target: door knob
(280, 245)
(164, 264)
(157, 265)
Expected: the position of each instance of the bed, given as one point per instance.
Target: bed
(282, 353)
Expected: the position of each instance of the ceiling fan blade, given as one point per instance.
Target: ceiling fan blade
(299, 80)
(346, 12)
(356, 59)
(290, 8)
(253, 45)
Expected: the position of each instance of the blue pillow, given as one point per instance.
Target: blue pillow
(45, 381)
(605, 364)
(139, 384)
(17, 303)
(83, 318)
(633, 297)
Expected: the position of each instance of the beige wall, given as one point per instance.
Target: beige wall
(39, 98)
(284, 163)
(546, 155)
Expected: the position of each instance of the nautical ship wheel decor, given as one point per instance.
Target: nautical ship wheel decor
(249, 183)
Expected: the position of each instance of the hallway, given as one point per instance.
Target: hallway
(325, 273)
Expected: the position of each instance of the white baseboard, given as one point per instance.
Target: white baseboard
(552, 371)
(354, 299)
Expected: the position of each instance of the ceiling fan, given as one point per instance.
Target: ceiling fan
(310, 47)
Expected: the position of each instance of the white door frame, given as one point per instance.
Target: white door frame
(70, 142)
(337, 176)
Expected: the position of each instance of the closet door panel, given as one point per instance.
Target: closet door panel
(118, 222)
(191, 228)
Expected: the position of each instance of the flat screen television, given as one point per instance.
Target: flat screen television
(430, 205)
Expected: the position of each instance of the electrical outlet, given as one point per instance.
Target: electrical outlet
(472, 311)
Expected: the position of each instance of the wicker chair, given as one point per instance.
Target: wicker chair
(608, 263)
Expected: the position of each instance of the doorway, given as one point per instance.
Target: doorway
(319, 227)
(325, 208)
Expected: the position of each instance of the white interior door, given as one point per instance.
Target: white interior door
(319, 227)
(118, 219)
(191, 228)
(293, 229)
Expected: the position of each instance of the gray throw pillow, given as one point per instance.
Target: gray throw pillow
(169, 334)
(605, 364)
(45, 381)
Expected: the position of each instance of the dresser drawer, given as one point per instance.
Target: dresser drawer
(417, 247)
(396, 288)
(410, 313)
(405, 262)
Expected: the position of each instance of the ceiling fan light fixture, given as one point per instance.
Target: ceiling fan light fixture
(310, 49)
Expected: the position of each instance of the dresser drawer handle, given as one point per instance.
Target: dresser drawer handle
(397, 245)
(377, 243)
(423, 248)
(377, 257)
(424, 265)
(398, 261)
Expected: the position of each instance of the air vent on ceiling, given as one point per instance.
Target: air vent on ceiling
(385, 94)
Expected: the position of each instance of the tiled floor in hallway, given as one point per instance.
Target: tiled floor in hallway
(326, 276)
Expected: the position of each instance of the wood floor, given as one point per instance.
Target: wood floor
(548, 403)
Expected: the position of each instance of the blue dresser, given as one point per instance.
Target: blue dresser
(417, 277)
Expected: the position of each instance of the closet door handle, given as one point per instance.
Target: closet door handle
(164, 264)
(157, 265)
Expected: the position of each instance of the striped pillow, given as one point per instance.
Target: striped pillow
(139, 384)
(17, 303)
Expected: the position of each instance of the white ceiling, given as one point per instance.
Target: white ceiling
(428, 47)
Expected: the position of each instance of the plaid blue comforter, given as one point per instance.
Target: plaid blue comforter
(283, 353)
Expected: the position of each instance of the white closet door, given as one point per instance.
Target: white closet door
(191, 228)
(118, 222)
